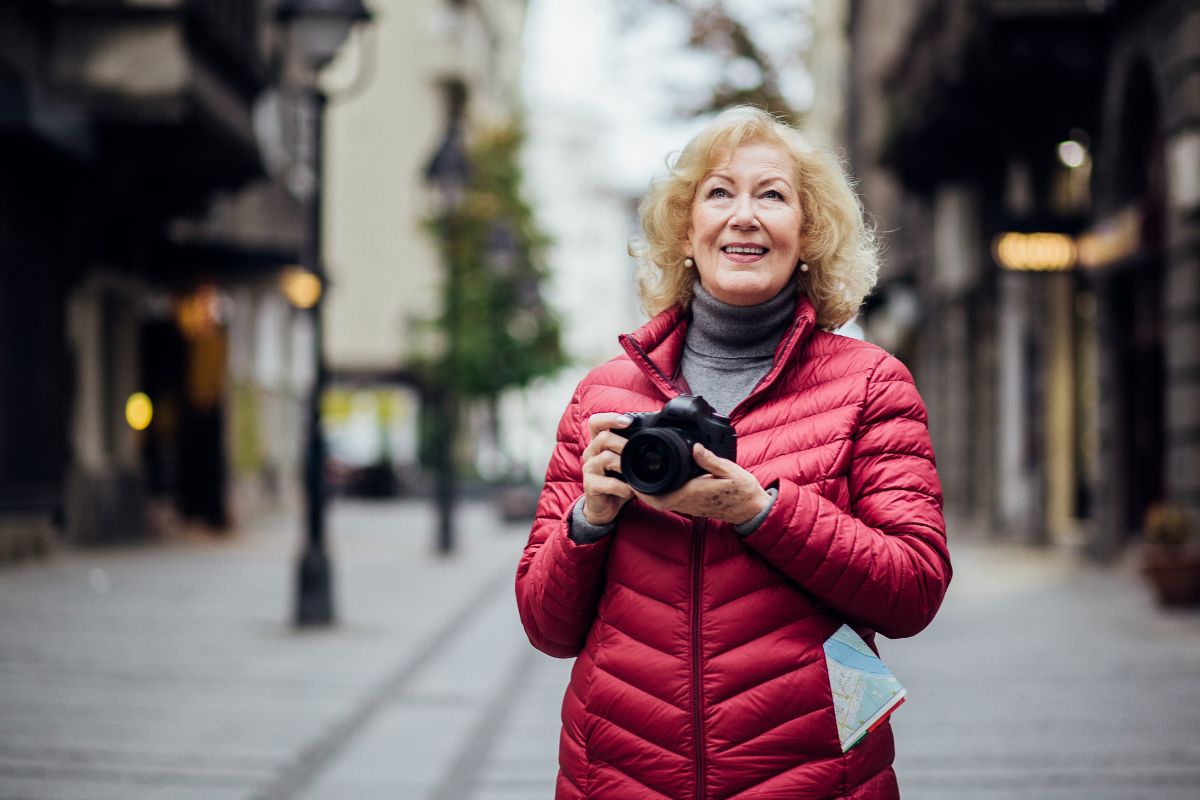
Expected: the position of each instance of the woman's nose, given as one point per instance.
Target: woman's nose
(743, 211)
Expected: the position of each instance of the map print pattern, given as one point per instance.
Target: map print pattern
(864, 689)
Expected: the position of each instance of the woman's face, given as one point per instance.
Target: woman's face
(746, 220)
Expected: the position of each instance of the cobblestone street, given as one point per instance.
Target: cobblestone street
(169, 671)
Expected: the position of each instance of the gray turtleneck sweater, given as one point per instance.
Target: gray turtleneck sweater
(728, 350)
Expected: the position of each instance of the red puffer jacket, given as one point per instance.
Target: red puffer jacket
(701, 670)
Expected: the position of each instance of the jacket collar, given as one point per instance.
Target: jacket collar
(657, 346)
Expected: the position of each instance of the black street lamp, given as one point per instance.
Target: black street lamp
(448, 172)
(316, 30)
(319, 27)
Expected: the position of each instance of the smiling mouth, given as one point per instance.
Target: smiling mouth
(744, 250)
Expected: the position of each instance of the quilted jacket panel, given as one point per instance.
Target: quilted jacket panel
(700, 671)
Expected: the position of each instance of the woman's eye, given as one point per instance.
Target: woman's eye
(718, 192)
(773, 194)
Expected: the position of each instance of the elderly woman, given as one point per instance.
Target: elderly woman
(698, 617)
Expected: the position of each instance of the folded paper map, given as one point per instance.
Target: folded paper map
(864, 690)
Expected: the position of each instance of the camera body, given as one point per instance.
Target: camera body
(657, 459)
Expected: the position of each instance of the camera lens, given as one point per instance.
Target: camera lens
(653, 461)
(656, 461)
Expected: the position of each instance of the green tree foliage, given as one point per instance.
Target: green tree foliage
(497, 331)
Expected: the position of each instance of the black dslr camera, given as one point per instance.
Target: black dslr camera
(657, 459)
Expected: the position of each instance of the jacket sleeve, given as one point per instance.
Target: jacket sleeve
(885, 564)
(558, 581)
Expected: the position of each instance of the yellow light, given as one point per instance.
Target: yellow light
(301, 287)
(139, 411)
(1035, 252)
(199, 314)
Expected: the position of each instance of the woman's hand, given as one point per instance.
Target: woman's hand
(728, 493)
(603, 495)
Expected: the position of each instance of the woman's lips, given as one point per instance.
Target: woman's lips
(744, 253)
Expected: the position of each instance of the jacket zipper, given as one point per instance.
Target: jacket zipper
(634, 348)
(698, 530)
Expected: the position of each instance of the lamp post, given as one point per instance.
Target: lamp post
(448, 172)
(315, 30)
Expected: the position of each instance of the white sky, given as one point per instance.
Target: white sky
(634, 81)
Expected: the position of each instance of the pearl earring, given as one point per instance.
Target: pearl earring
(689, 263)
(804, 266)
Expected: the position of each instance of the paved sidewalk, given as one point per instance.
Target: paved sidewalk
(1043, 678)
(169, 671)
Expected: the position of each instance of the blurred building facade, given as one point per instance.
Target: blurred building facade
(424, 67)
(1034, 166)
(153, 170)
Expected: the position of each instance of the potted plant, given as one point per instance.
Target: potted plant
(1171, 557)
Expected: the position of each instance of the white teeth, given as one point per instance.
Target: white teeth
(754, 251)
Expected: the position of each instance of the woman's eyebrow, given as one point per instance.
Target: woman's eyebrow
(760, 182)
(780, 178)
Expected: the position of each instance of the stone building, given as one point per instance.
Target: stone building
(146, 209)
(1035, 166)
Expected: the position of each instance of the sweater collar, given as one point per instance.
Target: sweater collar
(728, 331)
(657, 346)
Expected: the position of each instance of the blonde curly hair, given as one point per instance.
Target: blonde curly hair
(839, 245)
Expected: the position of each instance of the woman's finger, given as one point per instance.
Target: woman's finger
(656, 501)
(713, 463)
(600, 462)
(606, 420)
(602, 484)
(676, 500)
(604, 441)
(611, 441)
